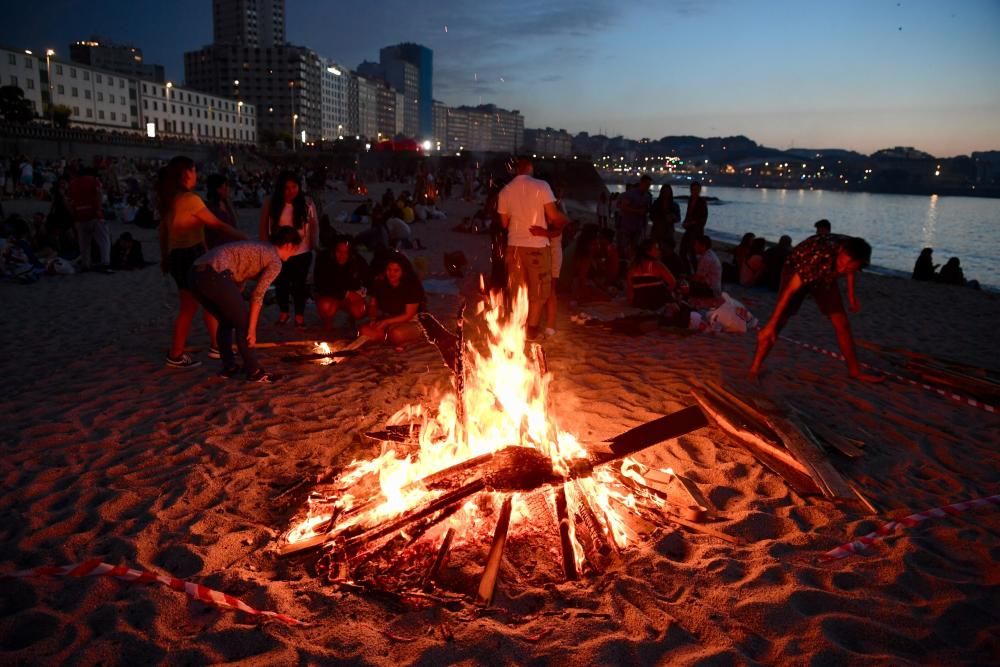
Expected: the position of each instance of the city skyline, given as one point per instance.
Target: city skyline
(874, 76)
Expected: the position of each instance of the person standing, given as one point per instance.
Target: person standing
(664, 214)
(220, 204)
(813, 267)
(85, 199)
(216, 279)
(635, 205)
(695, 220)
(183, 218)
(527, 210)
(288, 206)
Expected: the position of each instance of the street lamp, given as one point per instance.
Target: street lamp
(170, 85)
(239, 117)
(295, 119)
(48, 71)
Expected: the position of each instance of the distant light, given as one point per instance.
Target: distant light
(28, 51)
(236, 82)
(368, 147)
(334, 71)
(151, 130)
(170, 84)
(303, 136)
(50, 52)
(426, 145)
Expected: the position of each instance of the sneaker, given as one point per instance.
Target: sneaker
(183, 361)
(262, 376)
(231, 372)
(213, 353)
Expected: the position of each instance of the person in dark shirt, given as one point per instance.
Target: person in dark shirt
(774, 262)
(338, 280)
(393, 303)
(813, 267)
(695, 220)
(951, 273)
(126, 253)
(925, 268)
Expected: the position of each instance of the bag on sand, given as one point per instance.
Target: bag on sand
(732, 316)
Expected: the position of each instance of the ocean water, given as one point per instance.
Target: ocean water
(896, 226)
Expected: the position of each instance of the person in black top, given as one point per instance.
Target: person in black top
(925, 268)
(951, 273)
(126, 253)
(338, 281)
(774, 262)
(813, 267)
(395, 299)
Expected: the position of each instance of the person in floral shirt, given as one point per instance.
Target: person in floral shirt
(813, 267)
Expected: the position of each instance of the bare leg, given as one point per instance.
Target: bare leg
(845, 340)
(765, 341)
(327, 308)
(550, 307)
(182, 325)
(403, 333)
(212, 325)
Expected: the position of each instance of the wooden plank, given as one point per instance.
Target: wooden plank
(751, 413)
(769, 453)
(799, 440)
(435, 568)
(565, 539)
(488, 582)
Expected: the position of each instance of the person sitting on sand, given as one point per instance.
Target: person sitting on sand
(395, 299)
(216, 280)
(649, 284)
(951, 273)
(813, 267)
(126, 253)
(774, 261)
(753, 268)
(338, 280)
(731, 270)
(925, 268)
(707, 279)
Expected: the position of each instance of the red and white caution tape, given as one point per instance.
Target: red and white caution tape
(97, 568)
(890, 527)
(936, 390)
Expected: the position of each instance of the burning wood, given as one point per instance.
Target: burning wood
(415, 501)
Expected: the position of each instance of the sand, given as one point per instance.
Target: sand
(107, 453)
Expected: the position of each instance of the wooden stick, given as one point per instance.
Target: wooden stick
(802, 443)
(488, 582)
(606, 540)
(565, 539)
(432, 573)
(864, 501)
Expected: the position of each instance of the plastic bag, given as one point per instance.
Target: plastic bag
(732, 316)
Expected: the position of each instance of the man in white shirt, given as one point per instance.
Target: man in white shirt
(528, 211)
(707, 280)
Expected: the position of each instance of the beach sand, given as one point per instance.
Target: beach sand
(108, 454)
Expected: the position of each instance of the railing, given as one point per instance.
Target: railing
(115, 137)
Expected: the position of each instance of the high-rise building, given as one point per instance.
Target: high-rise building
(409, 68)
(335, 99)
(364, 106)
(484, 128)
(254, 23)
(122, 58)
(548, 142)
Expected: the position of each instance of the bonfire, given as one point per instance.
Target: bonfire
(490, 462)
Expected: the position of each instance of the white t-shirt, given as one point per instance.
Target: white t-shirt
(288, 220)
(524, 200)
(710, 268)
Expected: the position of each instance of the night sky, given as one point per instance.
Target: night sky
(850, 74)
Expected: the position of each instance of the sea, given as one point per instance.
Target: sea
(896, 226)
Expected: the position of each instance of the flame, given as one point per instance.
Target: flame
(505, 402)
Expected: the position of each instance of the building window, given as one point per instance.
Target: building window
(100, 96)
(90, 113)
(100, 114)
(13, 80)
(76, 93)
(121, 83)
(59, 69)
(114, 116)
(27, 63)
(173, 108)
(86, 75)
(156, 106)
(86, 93)
(72, 72)
(144, 88)
(31, 84)
(99, 78)
(111, 80)
(11, 59)
(76, 111)
(121, 100)
(61, 89)
(145, 104)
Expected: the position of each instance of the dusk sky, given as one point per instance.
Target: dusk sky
(850, 74)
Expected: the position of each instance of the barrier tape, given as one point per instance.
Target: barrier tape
(935, 390)
(860, 544)
(97, 568)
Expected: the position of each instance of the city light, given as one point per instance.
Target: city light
(28, 51)
(334, 71)
(50, 52)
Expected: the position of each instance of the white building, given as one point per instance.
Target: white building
(335, 85)
(365, 107)
(167, 110)
(95, 97)
(20, 69)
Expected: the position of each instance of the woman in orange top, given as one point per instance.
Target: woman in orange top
(183, 217)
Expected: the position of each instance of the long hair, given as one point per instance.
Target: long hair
(278, 201)
(213, 184)
(171, 184)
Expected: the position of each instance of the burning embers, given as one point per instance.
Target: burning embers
(491, 463)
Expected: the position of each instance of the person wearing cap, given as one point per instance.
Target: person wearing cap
(813, 267)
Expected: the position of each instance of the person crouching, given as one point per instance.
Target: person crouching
(217, 279)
